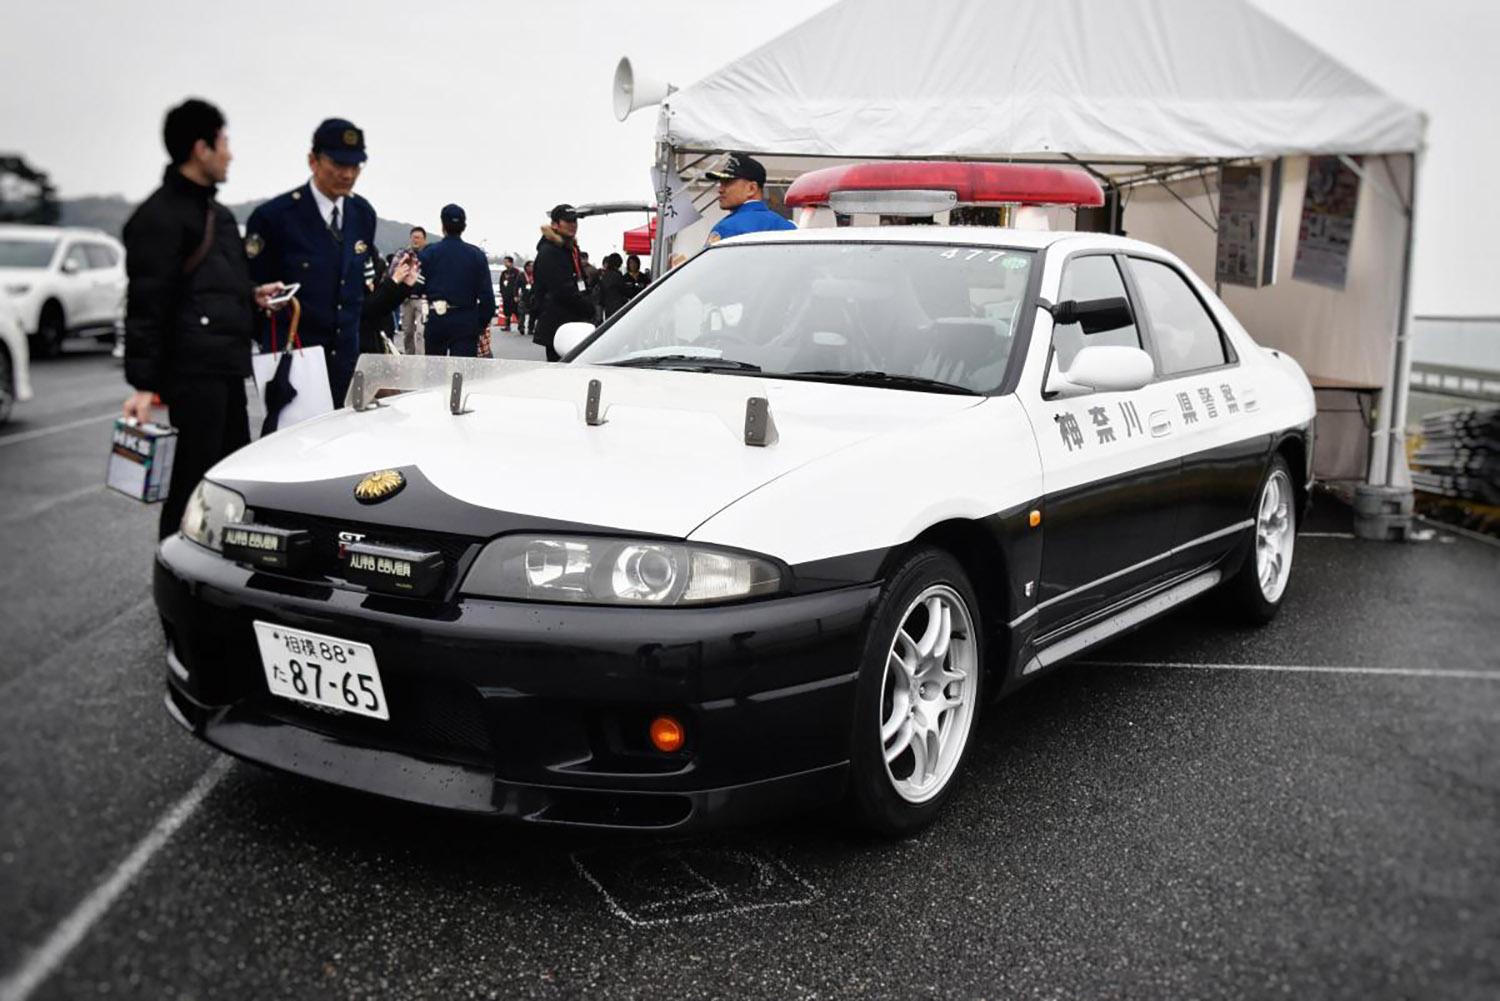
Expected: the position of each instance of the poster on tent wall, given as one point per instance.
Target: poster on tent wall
(1238, 258)
(1327, 229)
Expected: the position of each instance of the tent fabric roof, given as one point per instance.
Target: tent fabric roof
(1141, 80)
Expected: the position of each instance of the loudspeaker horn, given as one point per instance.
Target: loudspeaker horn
(632, 92)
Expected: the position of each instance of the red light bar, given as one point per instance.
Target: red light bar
(973, 183)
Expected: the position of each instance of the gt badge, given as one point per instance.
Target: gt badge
(254, 245)
(360, 247)
(379, 486)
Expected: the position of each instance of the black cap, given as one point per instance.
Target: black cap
(340, 141)
(564, 213)
(739, 165)
(452, 214)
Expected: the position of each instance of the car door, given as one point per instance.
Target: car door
(1111, 467)
(75, 286)
(106, 282)
(1210, 394)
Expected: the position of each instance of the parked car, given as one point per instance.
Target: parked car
(15, 362)
(62, 281)
(770, 537)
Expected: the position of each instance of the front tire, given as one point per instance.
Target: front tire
(918, 695)
(50, 331)
(1255, 593)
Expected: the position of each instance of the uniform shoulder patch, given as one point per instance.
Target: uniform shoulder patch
(713, 238)
(254, 245)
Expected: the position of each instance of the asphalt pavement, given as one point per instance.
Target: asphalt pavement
(1309, 809)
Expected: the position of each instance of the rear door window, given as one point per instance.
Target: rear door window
(1093, 277)
(1186, 336)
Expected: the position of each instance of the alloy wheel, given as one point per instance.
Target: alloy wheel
(1274, 535)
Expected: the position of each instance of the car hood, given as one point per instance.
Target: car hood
(669, 454)
(22, 276)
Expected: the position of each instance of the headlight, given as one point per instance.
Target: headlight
(209, 509)
(17, 289)
(616, 572)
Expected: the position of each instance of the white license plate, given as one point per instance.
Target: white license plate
(321, 670)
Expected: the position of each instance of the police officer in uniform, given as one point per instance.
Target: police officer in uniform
(460, 298)
(320, 235)
(742, 182)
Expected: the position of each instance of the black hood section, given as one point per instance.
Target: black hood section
(420, 506)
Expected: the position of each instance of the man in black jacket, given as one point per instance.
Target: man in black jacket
(190, 304)
(561, 289)
(510, 290)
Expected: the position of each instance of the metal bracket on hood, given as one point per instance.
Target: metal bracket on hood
(456, 399)
(760, 427)
(591, 415)
(357, 391)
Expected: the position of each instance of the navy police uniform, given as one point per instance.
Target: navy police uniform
(460, 298)
(287, 240)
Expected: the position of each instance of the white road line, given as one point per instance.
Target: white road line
(12, 439)
(45, 960)
(1405, 672)
(1326, 535)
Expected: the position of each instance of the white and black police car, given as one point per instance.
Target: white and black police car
(769, 538)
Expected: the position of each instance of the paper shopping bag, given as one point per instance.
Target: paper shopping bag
(303, 372)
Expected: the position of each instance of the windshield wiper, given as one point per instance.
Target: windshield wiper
(686, 361)
(872, 378)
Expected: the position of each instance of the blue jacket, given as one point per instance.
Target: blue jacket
(457, 273)
(751, 217)
(287, 241)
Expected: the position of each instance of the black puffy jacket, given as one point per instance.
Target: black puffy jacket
(558, 299)
(185, 324)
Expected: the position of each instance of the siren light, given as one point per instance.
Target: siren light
(926, 188)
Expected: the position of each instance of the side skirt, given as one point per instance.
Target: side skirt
(1122, 621)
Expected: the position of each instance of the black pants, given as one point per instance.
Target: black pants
(209, 415)
(507, 310)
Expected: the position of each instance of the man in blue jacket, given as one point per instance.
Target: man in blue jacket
(460, 298)
(742, 184)
(320, 236)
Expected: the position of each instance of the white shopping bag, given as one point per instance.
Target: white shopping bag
(309, 377)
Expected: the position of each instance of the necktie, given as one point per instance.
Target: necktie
(335, 227)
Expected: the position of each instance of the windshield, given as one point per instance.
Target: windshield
(26, 253)
(935, 312)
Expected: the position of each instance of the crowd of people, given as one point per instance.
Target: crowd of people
(198, 296)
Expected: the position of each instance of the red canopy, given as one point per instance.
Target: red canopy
(973, 183)
(638, 240)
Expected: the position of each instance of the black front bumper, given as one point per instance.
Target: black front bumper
(531, 711)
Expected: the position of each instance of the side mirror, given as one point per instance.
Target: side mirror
(569, 336)
(1094, 315)
(1104, 368)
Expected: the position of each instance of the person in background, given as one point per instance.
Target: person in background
(742, 182)
(510, 286)
(613, 292)
(561, 288)
(526, 299)
(460, 298)
(389, 291)
(635, 279)
(320, 235)
(414, 305)
(190, 305)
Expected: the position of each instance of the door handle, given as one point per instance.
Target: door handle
(1161, 424)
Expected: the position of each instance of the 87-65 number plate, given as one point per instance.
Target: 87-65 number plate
(321, 670)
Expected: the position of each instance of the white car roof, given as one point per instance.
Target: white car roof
(25, 231)
(984, 236)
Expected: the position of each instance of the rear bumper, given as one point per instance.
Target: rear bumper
(530, 711)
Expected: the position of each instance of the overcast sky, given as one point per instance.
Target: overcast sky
(504, 108)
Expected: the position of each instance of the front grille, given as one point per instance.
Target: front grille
(324, 562)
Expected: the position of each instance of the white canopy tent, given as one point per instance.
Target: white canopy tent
(1151, 96)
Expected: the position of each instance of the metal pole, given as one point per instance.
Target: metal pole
(664, 158)
(1395, 475)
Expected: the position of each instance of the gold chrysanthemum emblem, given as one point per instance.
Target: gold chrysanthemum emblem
(379, 486)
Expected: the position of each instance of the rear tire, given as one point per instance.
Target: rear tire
(51, 328)
(1255, 593)
(7, 385)
(919, 691)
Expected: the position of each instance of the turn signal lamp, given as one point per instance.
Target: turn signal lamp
(667, 734)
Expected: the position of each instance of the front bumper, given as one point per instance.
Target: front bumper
(531, 711)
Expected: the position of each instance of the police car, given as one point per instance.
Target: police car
(769, 538)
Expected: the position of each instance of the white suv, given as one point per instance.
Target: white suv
(62, 281)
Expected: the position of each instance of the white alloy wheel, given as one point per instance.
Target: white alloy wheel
(1275, 535)
(928, 694)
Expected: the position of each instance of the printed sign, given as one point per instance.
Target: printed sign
(1238, 258)
(1327, 228)
(679, 212)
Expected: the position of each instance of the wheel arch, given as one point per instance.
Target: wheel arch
(1295, 447)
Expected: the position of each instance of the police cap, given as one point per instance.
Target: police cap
(739, 165)
(340, 141)
(452, 215)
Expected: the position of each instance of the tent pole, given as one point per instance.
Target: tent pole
(664, 158)
(1401, 381)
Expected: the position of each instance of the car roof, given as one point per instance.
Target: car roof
(984, 236)
(17, 230)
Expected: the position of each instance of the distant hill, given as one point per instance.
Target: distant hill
(109, 212)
